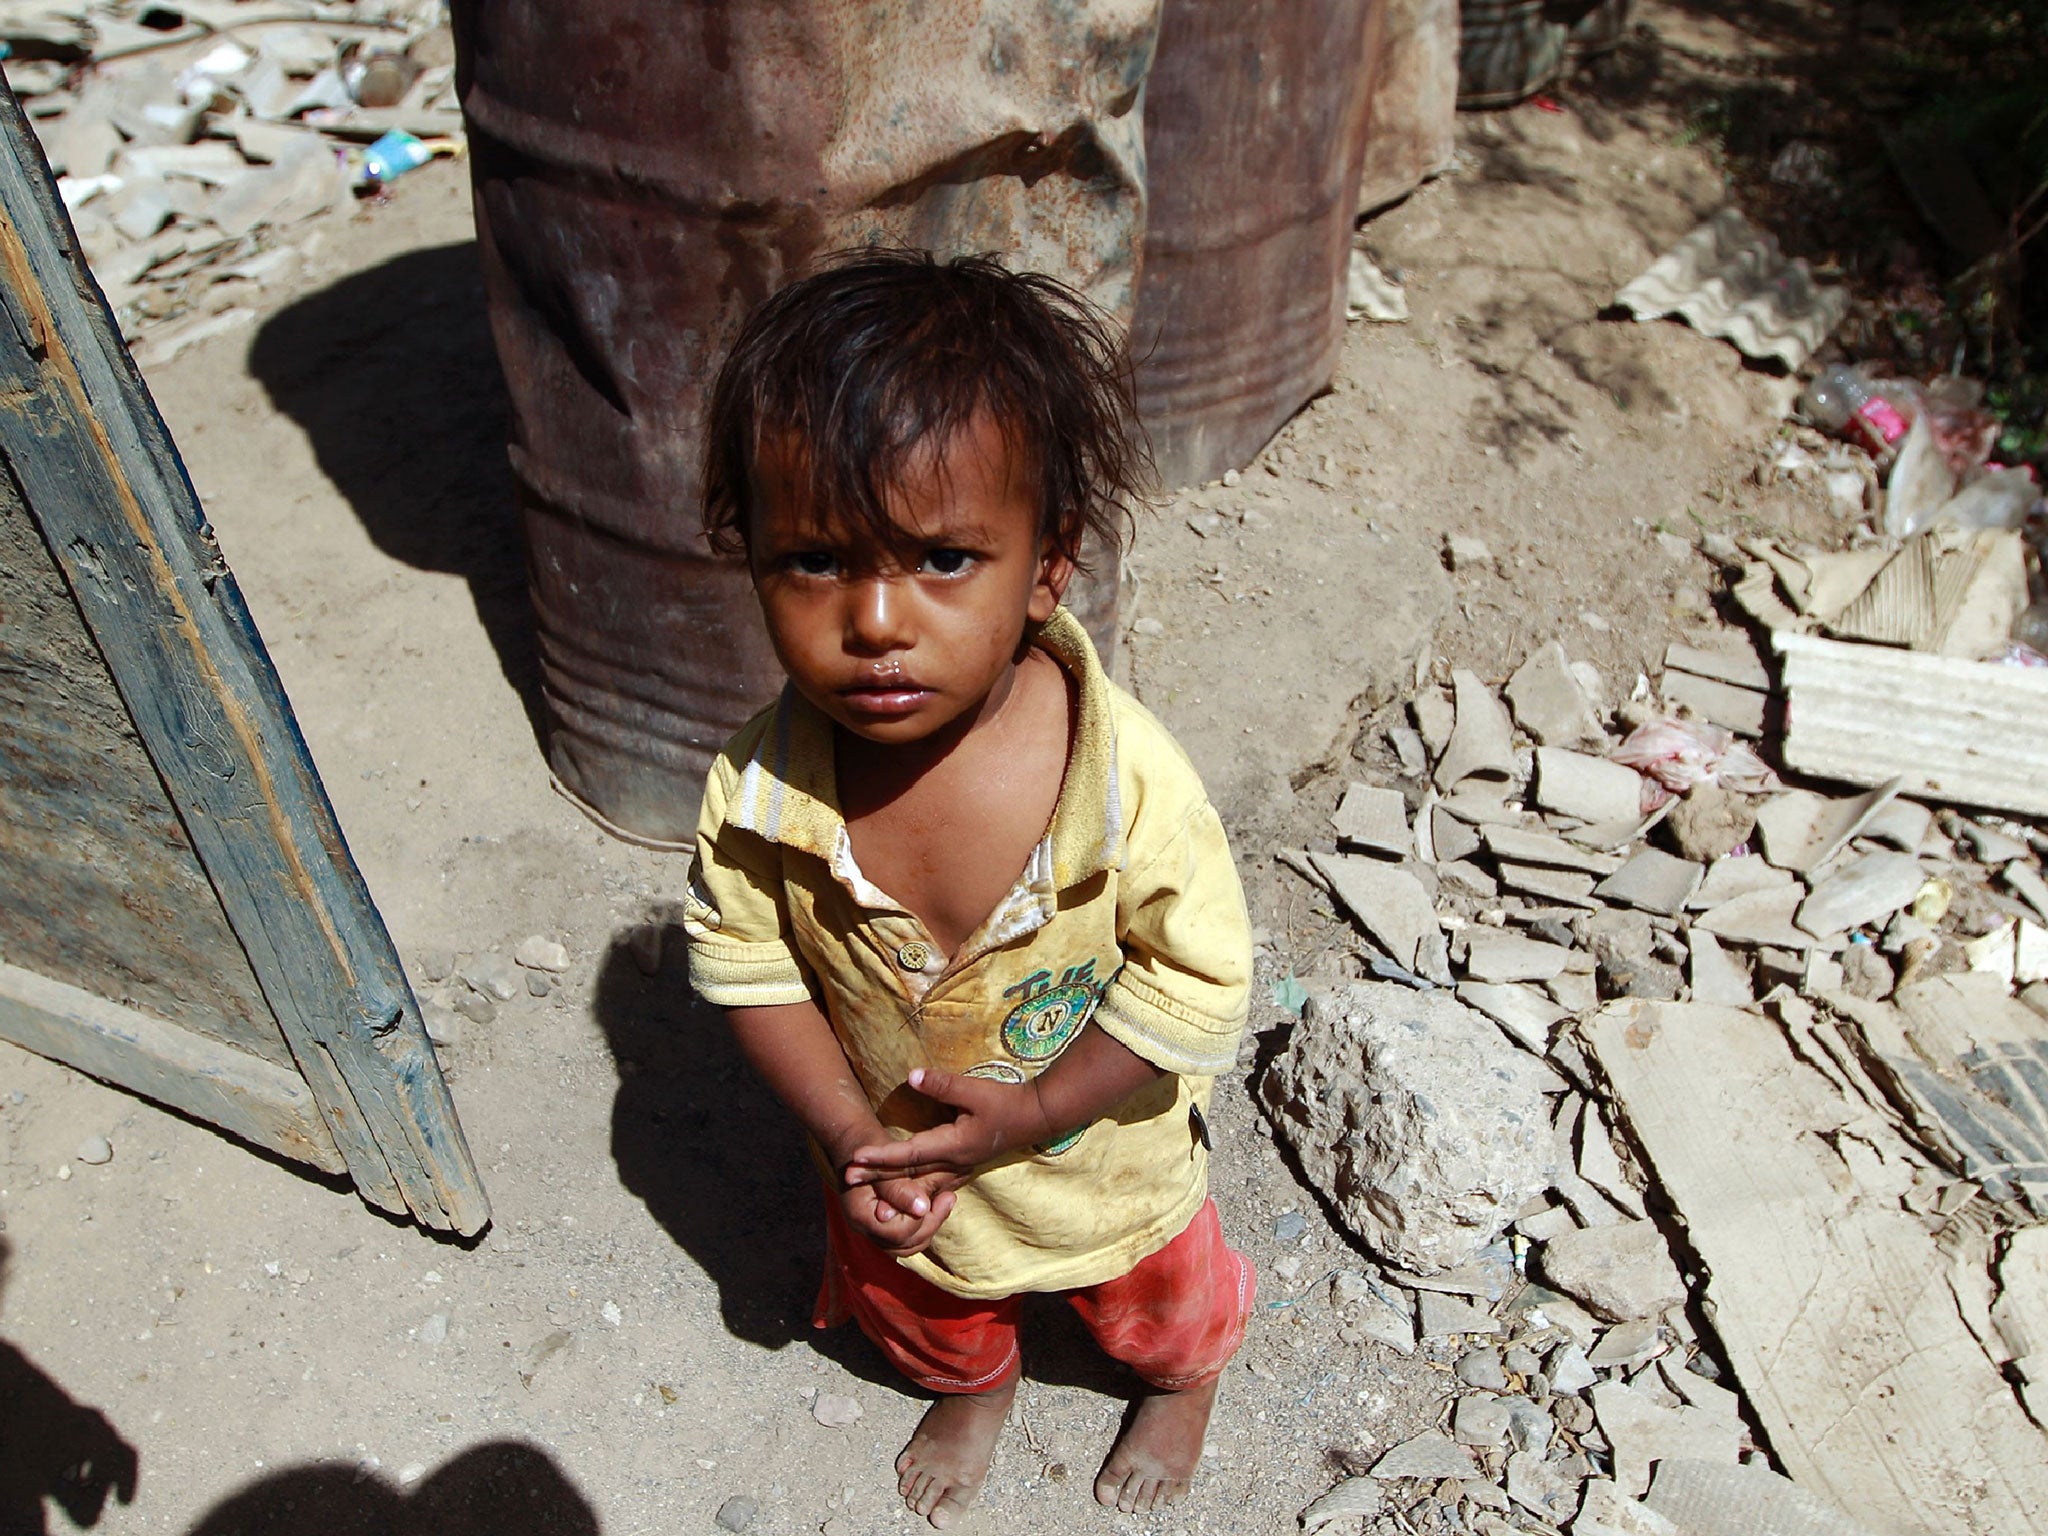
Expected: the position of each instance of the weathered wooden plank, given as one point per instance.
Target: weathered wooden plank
(1834, 1303)
(108, 895)
(97, 468)
(263, 1103)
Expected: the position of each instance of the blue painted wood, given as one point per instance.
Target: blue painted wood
(93, 462)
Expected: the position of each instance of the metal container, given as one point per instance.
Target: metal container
(646, 171)
(1410, 132)
(1255, 125)
(1510, 49)
(1596, 33)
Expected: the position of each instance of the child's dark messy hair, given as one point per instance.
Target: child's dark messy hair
(883, 351)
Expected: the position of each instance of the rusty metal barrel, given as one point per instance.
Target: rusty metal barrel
(1254, 135)
(645, 172)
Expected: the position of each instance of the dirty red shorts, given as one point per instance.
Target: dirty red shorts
(1176, 1319)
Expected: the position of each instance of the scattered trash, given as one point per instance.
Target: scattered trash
(1369, 294)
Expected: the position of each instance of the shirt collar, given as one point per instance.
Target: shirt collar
(788, 790)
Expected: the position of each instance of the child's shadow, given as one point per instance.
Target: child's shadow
(722, 1166)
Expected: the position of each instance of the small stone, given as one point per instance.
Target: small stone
(1569, 1371)
(444, 1024)
(494, 976)
(1430, 1455)
(538, 953)
(476, 1008)
(1522, 1360)
(1444, 1315)
(737, 1512)
(1465, 552)
(1541, 1487)
(63, 1173)
(1654, 881)
(1628, 1345)
(1409, 750)
(1287, 1268)
(1642, 1432)
(834, 1411)
(1623, 1272)
(1573, 1414)
(434, 1330)
(1482, 1368)
(611, 1314)
(1549, 702)
(539, 984)
(94, 1150)
(1348, 1288)
(1480, 1421)
(1529, 1427)
(1289, 1226)
(1605, 1511)
(436, 965)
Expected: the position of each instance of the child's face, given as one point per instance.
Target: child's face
(897, 640)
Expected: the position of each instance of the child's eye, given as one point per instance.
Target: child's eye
(812, 562)
(947, 562)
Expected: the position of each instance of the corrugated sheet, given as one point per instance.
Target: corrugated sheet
(1967, 732)
(1729, 279)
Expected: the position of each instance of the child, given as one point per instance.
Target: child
(967, 907)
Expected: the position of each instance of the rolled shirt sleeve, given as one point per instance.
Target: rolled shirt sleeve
(1181, 997)
(733, 914)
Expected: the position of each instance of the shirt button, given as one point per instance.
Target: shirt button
(913, 956)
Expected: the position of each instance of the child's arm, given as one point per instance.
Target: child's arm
(1091, 1077)
(792, 1047)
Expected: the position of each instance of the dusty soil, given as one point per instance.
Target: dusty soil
(628, 1345)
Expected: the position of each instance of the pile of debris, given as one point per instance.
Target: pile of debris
(1638, 1037)
(188, 135)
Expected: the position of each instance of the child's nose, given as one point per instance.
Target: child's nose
(877, 617)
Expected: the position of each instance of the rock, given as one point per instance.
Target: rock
(1541, 1487)
(1465, 551)
(1759, 918)
(737, 1512)
(1542, 1226)
(494, 976)
(1445, 1316)
(1435, 718)
(1604, 1510)
(1521, 1360)
(834, 1411)
(1569, 1371)
(1529, 1427)
(1550, 703)
(1485, 1495)
(539, 953)
(1623, 1272)
(1710, 822)
(475, 1007)
(436, 965)
(1574, 1414)
(1654, 881)
(1431, 1455)
(539, 984)
(1478, 1420)
(1729, 878)
(1454, 839)
(1482, 740)
(1642, 1431)
(1289, 1226)
(1409, 751)
(1288, 1268)
(1717, 977)
(444, 1024)
(1628, 1345)
(1864, 973)
(1493, 955)
(1652, 980)
(1867, 890)
(93, 1151)
(1481, 1368)
(1425, 1127)
(433, 1331)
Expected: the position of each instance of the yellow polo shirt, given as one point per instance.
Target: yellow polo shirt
(1128, 913)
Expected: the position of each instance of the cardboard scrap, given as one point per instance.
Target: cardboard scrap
(1832, 1306)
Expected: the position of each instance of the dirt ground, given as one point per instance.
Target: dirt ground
(242, 1348)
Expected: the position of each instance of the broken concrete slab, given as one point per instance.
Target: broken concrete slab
(1642, 1431)
(1430, 1455)
(1864, 891)
(1600, 1165)
(1902, 823)
(1728, 878)
(1591, 789)
(1571, 887)
(1441, 1316)
(1717, 976)
(1435, 717)
(1629, 1345)
(1990, 845)
(1702, 1498)
(1728, 658)
(1376, 819)
(1550, 703)
(1623, 1273)
(1740, 710)
(1653, 881)
(1493, 954)
(2026, 882)
(1816, 1288)
(1426, 1128)
(1356, 1498)
(1451, 837)
(1527, 847)
(1482, 743)
(1526, 1014)
(1480, 1420)
(1604, 1510)
(1762, 918)
(1802, 830)
(1387, 902)
(1542, 1487)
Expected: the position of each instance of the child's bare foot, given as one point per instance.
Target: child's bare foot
(940, 1471)
(1153, 1461)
